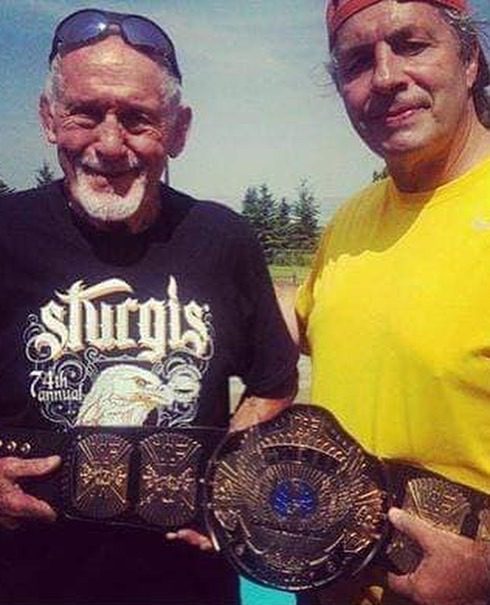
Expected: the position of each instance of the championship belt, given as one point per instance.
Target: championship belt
(295, 503)
(132, 476)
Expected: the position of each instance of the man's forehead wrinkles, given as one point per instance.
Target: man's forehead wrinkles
(364, 39)
(388, 29)
(404, 32)
(96, 69)
(353, 49)
(102, 103)
(111, 56)
(90, 82)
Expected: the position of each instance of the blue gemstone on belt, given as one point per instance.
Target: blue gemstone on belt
(293, 498)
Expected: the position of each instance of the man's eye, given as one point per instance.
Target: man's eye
(85, 121)
(86, 118)
(135, 122)
(354, 66)
(409, 47)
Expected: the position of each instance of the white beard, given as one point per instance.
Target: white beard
(108, 206)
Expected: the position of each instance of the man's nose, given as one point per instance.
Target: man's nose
(388, 73)
(111, 141)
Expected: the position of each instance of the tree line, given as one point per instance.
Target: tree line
(288, 231)
(43, 176)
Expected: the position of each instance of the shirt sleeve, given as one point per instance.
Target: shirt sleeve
(268, 366)
(305, 297)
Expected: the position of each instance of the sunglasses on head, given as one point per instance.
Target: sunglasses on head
(88, 25)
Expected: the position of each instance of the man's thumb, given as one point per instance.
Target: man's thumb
(412, 526)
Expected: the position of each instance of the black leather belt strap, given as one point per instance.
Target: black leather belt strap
(443, 503)
(139, 477)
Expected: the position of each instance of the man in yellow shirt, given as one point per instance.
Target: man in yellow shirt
(396, 311)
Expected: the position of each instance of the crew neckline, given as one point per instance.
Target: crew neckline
(438, 195)
(73, 225)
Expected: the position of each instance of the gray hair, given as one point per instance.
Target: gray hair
(469, 32)
(171, 90)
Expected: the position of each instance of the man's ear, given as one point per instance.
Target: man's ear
(47, 118)
(473, 66)
(181, 129)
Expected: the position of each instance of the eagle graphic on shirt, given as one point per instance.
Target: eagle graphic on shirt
(99, 360)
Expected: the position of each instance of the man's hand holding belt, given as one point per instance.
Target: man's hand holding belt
(454, 570)
(17, 505)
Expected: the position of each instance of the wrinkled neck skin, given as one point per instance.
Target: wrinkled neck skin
(413, 174)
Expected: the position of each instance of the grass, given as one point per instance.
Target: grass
(295, 274)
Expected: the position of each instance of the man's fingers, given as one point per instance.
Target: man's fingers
(192, 537)
(16, 504)
(254, 410)
(32, 507)
(401, 584)
(14, 468)
(413, 527)
(24, 507)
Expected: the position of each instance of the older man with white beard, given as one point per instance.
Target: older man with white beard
(112, 282)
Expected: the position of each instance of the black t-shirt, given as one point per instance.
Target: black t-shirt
(108, 328)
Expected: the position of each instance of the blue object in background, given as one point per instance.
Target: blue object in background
(253, 594)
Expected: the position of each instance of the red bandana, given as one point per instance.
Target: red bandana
(336, 15)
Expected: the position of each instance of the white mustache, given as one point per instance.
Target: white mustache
(111, 167)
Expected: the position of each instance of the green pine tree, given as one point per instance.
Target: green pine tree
(268, 232)
(44, 175)
(283, 216)
(4, 188)
(305, 229)
(283, 240)
(259, 207)
(250, 206)
(379, 175)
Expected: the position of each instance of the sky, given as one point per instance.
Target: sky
(254, 75)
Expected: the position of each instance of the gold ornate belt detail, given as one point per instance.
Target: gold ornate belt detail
(132, 476)
(294, 503)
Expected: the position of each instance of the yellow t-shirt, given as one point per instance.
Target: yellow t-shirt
(397, 318)
(396, 313)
